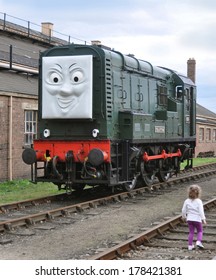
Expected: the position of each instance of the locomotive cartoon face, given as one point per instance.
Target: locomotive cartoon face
(67, 87)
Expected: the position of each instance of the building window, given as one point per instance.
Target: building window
(208, 134)
(201, 134)
(214, 135)
(30, 127)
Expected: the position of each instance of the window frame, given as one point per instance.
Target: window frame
(201, 134)
(162, 95)
(208, 135)
(30, 126)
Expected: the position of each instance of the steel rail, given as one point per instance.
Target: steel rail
(4, 208)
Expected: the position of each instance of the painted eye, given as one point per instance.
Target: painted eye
(55, 78)
(77, 76)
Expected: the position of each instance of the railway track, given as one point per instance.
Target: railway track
(10, 222)
(18, 205)
(167, 240)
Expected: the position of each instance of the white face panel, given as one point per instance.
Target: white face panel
(67, 87)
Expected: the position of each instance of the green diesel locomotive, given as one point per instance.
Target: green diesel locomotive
(110, 119)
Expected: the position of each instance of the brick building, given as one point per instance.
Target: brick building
(206, 132)
(205, 122)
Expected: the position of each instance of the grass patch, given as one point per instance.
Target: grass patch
(23, 189)
(199, 161)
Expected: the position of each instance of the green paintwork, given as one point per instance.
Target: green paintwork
(126, 101)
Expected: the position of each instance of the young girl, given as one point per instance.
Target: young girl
(193, 213)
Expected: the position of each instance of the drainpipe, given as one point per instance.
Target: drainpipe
(10, 158)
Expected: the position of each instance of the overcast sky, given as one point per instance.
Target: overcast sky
(164, 32)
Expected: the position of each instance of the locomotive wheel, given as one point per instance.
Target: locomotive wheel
(129, 186)
(163, 176)
(148, 179)
(164, 169)
(147, 176)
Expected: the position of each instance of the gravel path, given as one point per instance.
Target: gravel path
(77, 236)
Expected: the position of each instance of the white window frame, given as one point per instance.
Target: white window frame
(30, 126)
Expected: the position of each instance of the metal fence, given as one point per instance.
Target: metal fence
(32, 30)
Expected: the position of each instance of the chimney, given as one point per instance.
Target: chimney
(191, 69)
(47, 28)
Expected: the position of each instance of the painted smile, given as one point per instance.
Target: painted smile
(65, 103)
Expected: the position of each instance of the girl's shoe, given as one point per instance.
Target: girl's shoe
(199, 245)
(190, 247)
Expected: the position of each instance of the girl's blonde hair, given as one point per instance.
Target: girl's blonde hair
(194, 191)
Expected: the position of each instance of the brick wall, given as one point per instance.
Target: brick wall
(3, 137)
(19, 169)
(205, 145)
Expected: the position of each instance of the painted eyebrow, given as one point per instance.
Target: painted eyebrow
(56, 66)
(71, 65)
(59, 66)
